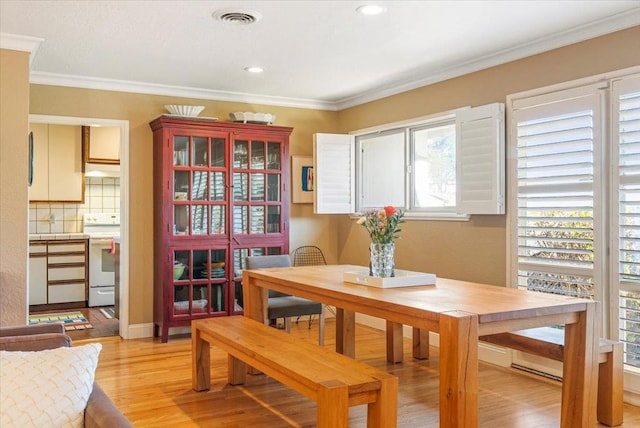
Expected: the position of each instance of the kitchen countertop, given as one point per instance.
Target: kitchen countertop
(56, 236)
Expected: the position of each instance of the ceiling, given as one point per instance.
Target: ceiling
(315, 54)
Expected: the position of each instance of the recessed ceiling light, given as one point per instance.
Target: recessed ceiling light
(254, 69)
(371, 9)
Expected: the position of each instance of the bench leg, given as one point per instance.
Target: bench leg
(200, 361)
(333, 405)
(420, 344)
(236, 371)
(383, 413)
(610, 389)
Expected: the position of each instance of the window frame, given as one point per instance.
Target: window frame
(407, 127)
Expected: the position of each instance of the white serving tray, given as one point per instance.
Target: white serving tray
(402, 278)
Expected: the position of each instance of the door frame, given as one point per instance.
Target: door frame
(124, 199)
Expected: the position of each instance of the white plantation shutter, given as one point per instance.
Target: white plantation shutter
(480, 159)
(333, 164)
(626, 174)
(558, 141)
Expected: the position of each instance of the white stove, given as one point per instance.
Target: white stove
(102, 228)
(102, 225)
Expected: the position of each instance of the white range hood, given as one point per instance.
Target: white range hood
(101, 170)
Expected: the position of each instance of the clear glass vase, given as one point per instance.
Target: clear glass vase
(382, 263)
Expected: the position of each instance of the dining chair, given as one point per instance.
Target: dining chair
(285, 305)
(308, 255)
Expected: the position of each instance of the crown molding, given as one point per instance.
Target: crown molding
(417, 79)
(53, 79)
(16, 42)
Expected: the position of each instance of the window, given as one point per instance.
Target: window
(574, 216)
(427, 174)
(447, 165)
(434, 167)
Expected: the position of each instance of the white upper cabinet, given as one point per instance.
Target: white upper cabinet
(57, 163)
(101, 144)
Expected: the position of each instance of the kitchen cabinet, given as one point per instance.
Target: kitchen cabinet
(37, 273)
(101, 144)
(57, 163)
(58, 272)
(221, 193)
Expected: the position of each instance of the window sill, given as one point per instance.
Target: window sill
(430, 216)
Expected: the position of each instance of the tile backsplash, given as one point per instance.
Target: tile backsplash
(101, 194)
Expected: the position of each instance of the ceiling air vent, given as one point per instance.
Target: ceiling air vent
(237, 17)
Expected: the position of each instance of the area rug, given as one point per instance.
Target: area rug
(72, 320)
(108, 312)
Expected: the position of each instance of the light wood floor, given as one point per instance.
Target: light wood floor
(151, 383)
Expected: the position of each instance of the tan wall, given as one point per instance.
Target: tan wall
(14, 154)
(139, 110)
(474, 250)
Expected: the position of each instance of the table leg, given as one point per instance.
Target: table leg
(256, 304)
(394, 342)
(420, 343)
(255, 299)
(346, 332)
(458, 369)
(580, 370)
(200, 360)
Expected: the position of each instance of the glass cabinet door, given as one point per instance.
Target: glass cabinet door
(257, 186)
(199, 281)
(199, 185)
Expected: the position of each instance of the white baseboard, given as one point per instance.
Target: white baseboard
(140, 331)
(631, 389)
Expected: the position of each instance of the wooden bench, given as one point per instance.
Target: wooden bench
(548, 342)
(332, 380)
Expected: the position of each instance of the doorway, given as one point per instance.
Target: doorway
(102, 324)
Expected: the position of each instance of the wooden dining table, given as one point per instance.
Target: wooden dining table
(460, 312)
